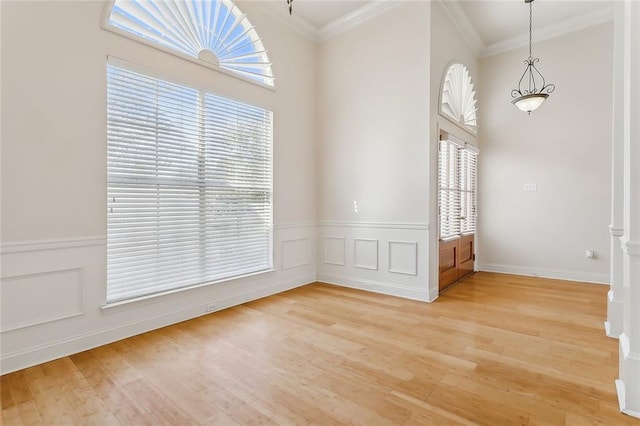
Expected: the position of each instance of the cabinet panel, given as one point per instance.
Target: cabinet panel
(456, 259)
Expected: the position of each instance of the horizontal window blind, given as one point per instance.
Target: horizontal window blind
(449, 190)
(457, 171)
(189, 186)
(468, 165)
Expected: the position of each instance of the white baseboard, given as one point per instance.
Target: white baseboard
(568, 275)
(377, 287)
(622, 400)
(615, 310)
(58, 349)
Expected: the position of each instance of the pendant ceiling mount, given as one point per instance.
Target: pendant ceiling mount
(532, 88)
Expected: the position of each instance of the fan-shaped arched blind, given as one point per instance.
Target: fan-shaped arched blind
(215, 31)
(458, 99)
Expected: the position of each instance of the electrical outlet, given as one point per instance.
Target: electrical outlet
(211, 307)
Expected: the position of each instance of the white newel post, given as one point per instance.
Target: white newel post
(628, 384)
(615, 297)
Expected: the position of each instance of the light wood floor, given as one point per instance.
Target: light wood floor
(495, 350)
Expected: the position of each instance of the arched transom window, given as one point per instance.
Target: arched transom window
(213, 31)
(458, 99)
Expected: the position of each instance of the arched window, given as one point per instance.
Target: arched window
(214, 31)
(458, 99)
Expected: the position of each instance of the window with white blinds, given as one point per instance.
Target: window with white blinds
(189, 186)
(457, 168)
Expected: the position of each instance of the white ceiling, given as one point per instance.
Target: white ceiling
(497, 21)
(489, 25)
(322, 12)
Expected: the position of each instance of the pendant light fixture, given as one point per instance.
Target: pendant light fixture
(532, 89)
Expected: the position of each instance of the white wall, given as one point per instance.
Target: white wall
(449, 48)
(54, 57)
(564, 148)
(373, 150)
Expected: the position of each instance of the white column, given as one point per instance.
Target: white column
(615, 297)
(628, 384)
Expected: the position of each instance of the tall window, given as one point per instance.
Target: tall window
(189, 186)
(457, 189)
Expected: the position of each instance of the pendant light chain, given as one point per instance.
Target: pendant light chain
(530, 27)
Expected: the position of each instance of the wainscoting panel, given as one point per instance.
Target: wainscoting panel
(403, 257)
(334, 251)
(54, 295)
(296, 253)
(389, 258)
(365, 253)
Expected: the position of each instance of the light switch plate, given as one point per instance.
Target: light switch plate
(530, 187)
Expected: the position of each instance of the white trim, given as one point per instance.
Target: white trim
(135, 300)
(551, 31)
(62, 316)
(625, 346)
(295, 265)
(390, 289)
(380, 225)
(615, 309)
(594, 278)
(357, 17)
(415, 251)
(355, 254)
(344, 251)
(633, 360)
(630, 248)
(620, 390)
(294, 225)
(616, 231)
(64, 347)
(68, 243)
(182, 79)
(295, 22)
(465, 28)
(40, 245)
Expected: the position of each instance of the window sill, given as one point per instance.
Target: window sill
(135, 302)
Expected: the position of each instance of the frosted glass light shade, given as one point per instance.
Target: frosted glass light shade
(528, 103)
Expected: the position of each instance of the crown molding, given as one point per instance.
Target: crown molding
(332, 29)
(454, 12)
(300, 25)
(464, 26)
(551, 31)
(357, 17)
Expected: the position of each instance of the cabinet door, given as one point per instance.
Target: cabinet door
(456, 259)
(448, 263)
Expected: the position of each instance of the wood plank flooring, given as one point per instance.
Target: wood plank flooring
(493, 350)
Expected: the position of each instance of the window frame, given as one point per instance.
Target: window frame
(472, 130)
(203, 92)
(461, 148)
(106, 15)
